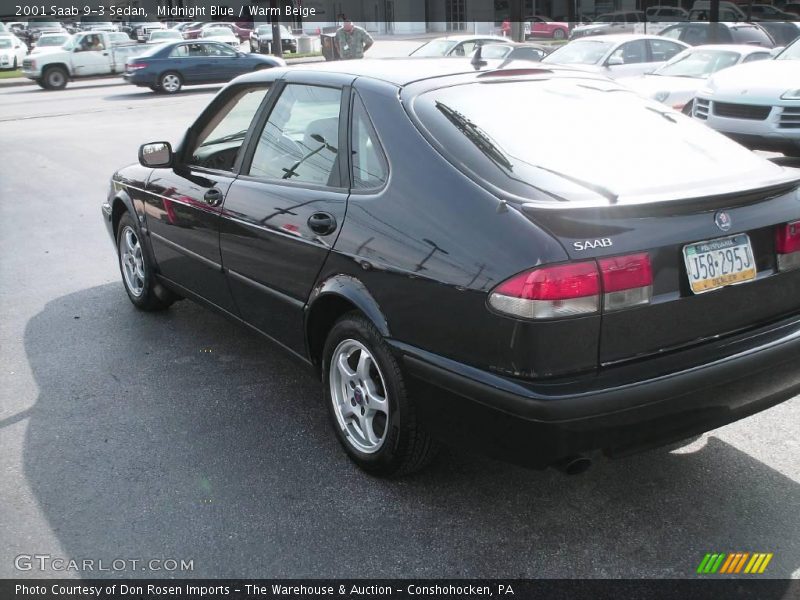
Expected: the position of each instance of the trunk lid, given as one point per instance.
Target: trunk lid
(676, 316)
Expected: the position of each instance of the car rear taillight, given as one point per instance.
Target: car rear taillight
(550, 292)
(627, 280)
(574, 289)
(135, 66)
(787, 245)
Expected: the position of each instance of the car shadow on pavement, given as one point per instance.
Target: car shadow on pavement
(180, 435)
(146, 94)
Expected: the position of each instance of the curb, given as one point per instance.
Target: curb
(16, 81)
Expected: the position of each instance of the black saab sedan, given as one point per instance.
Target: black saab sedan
(417, 234)
(168, 67)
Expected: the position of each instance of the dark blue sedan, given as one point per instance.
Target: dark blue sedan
(168, 67)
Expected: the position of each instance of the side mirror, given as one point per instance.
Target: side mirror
(614, 61)
(156, 155)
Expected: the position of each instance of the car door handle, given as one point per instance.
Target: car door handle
(322, 223)
(213, 197)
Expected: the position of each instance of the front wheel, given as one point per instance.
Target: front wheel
(170, 82)
(55, 78)
(373, 417)
(137, 272)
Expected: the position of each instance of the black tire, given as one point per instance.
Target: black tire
(152, 296)
(16, 66)
(406, 447)
(170, 82)
(40, 83)
(559, 34)
(54, 78)
(687, 108)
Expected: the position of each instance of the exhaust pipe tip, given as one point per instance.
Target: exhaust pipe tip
(574, 465)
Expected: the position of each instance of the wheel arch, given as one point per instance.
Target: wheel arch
(59, 66)
(331, 299)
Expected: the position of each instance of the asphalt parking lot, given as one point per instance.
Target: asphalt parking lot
(179, 435)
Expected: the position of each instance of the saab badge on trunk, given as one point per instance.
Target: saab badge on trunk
(723, 220)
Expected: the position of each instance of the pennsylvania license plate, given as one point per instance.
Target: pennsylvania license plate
(716, 263)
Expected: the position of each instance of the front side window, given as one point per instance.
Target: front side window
(369, 165)
(673, 32)
(300, 140)
(221, 139)
(630, 53)
(219, 50)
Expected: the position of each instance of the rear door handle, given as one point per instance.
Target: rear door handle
(213, 197)
(322, 223)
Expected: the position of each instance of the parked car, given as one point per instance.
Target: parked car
(12, 51)
(38, 26)
(261, 39)
(547, 28)
(610, 23)
(511, 51)
(165, 35)
(676, 82)
(765, 12)
(793, 8)
(142, 31)
(119, 37)
(728, 11)
(696, 34)
(783, 32)
(92, 25)
(455, 45)
(222, 35)
(659, 13)
(622, 55)
(50, 41)
(756, 104)
(640, 295)
(193, 31)
(241, 33)
(85, 54)
(168, 67)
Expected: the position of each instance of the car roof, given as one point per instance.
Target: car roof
(621, 37)
(462, 37)
(404, 71)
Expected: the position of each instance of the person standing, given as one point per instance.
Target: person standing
(352, 41)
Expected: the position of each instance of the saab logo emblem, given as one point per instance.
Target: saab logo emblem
(723, 220)
(734, 563)
(587, 244)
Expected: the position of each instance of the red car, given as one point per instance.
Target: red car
(545, 27)
(240, 30)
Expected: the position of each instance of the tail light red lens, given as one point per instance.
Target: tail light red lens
(575, 289)
(627, 280)
(135, 66)
(787, 245)
(550, 292)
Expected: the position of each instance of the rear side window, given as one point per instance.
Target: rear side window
(369, 165)
(661, 50)
(751, 35)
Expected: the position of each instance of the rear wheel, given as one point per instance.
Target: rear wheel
(170, 82)
(137, 273)
(54, 78)
(15, 64)
(559, 34)
(374, 419)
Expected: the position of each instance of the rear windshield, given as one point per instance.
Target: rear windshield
(575, 138)
(750, 34)
(580, 52)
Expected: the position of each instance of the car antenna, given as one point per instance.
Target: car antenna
(477, 60)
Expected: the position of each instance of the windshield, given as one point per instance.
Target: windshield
(51, 40)
(580, 52)
(434, 48)
(698, 63)
(575, 138)
(791, 52)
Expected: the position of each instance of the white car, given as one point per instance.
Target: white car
(456, 45)
(165, 35)
(609, 24)
(757, 104)
(221, 34)
(623, 55)
(50, 41)
(676, 82)
(12, 51)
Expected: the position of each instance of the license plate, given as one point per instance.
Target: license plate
(717, 263)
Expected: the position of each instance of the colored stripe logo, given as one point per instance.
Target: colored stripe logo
(734, 563)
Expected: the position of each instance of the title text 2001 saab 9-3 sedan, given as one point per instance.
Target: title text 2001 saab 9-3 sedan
(410, 229)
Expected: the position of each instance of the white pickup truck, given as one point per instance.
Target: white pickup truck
(86, 54)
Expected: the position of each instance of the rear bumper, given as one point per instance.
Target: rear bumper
(620, 410)
(138, 78)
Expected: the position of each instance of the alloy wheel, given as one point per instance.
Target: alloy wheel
(170, 83)
(132, 261)
(358, 393)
